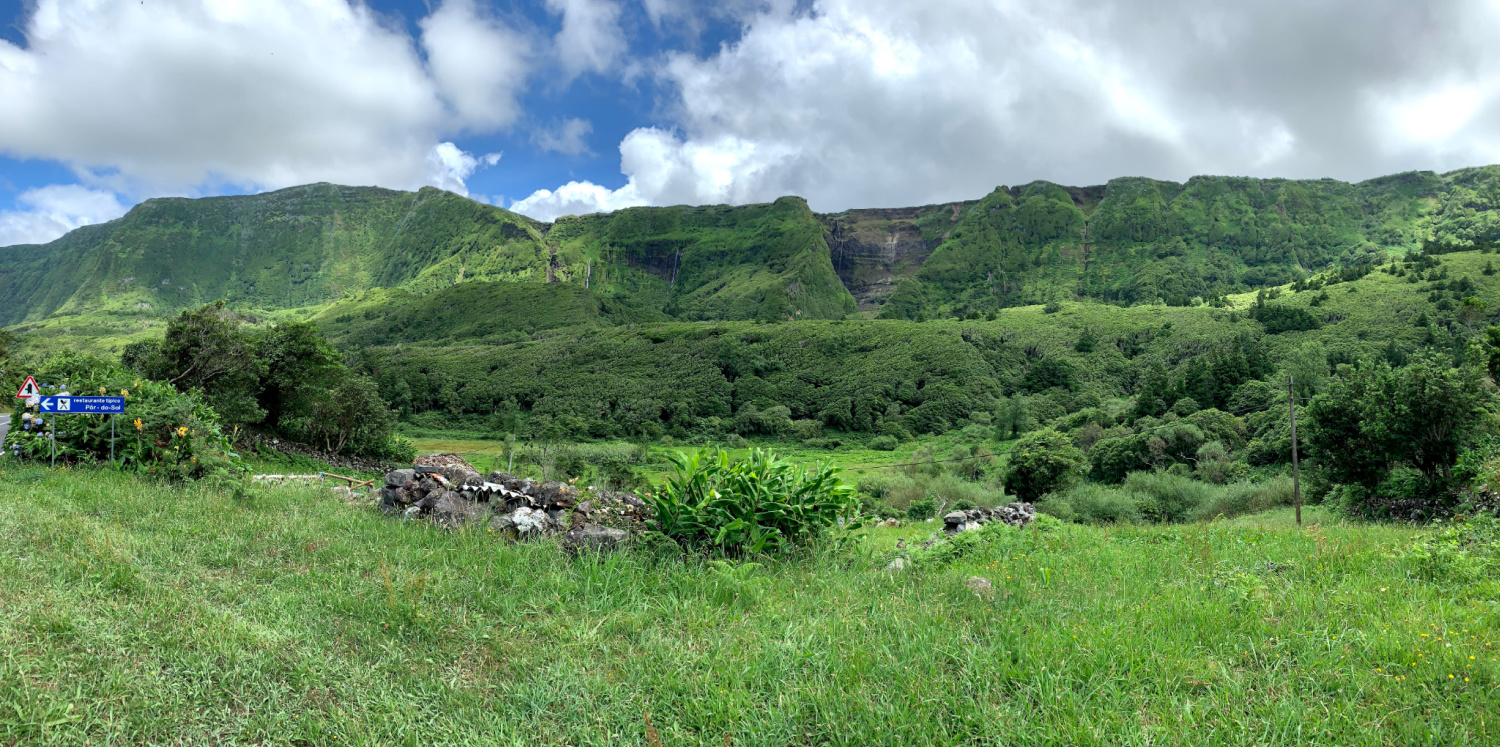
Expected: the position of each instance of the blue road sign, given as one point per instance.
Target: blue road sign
(83, 405)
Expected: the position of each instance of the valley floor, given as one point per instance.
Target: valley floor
(134, 614)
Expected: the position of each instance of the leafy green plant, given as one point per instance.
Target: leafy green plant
(921, 510)
(163, 432)
(754, 505)
(1043, 461)
(1462, 552)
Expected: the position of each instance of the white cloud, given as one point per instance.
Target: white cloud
(449, 167)
(569, 138)
(591, 39)
(576, 198)
(52, 211)
(479, 63)
(884, 102)
(170, 95)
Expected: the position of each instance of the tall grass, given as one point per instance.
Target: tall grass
(1165, 497)
(898, 490)
(138, 614)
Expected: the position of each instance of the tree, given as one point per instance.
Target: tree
(1307, 365)
(208, 351)
(1375, 418)
(1042, 462)
(1154, 393)
(298, 364)
(1048, 373)
(351, 416)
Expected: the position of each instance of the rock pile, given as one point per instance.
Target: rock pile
(443, 460)
(1016, 514)
(454, 494)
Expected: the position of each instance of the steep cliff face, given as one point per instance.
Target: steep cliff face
(874, 250)
(1134, 240)
(768, 261)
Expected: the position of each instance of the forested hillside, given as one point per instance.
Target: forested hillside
(1130, 241)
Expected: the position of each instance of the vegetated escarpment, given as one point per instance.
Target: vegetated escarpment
(1131, 241)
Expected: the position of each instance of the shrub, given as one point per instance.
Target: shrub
(1243, 498)
(884, 443)
(1463, 552)
(1167, 497)
(163, 432)
(1091, 503)
(757, 504)
(921, 510)
(1112, 459)
(1405, 494)
(950, 490)
(895, 490)
(1041, 462)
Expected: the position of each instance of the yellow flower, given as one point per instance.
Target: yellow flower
(124, 392)
(137, 423)
(102, 390)
(182, 431)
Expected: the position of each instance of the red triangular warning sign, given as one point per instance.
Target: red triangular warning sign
(29, 389)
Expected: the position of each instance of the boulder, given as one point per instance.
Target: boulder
(1017, 514)
(452, 510)
(458, 474)
(400, 478)
(532, 522)
(594, 537)
(429, 484)
(391, 497)
(555, 494)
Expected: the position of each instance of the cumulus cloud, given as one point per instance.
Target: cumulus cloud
(449, 166)
(577, 198)
(591, 39)
(173, 94)
(479, 63)
(569, 138)
(49, 212)
(884, 102)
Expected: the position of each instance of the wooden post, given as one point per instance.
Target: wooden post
(1291, 404)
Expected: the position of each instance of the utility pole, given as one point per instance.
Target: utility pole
(1291, 404)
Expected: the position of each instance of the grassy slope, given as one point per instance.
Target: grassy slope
(134, 614)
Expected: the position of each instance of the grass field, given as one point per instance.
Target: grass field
(139, 614)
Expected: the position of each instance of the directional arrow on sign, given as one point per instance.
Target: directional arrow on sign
(83, 405)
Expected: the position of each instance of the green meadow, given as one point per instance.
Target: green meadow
(136, 613)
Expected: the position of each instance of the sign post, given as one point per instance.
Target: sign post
(69, 405)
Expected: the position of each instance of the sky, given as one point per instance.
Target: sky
(556, 107)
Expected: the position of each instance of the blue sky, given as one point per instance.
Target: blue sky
(551, 107)
(611, 107)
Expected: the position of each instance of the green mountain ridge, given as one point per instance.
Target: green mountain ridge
(304, 250)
